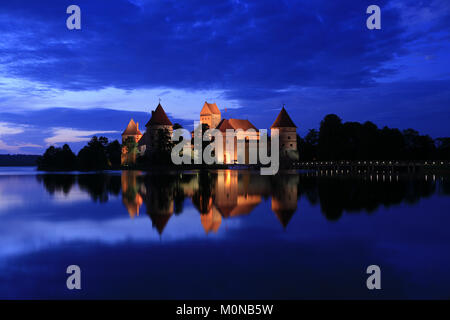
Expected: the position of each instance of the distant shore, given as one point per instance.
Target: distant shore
(18, 160)
(344, 167)
(341, 165)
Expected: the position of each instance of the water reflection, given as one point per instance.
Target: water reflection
(226, 194)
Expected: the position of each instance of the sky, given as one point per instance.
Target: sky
(250, 57)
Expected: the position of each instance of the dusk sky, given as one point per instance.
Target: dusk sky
(251, 57)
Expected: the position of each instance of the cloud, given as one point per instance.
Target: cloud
(211, 44)
(420, 16)
(67, 135)
(179, 102)
(10, 129)
(15, 148)
(248, 56)
(200, 44)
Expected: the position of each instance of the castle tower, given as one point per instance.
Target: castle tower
(210, 115)
(158, 121)
(132, 130)
(287, 132)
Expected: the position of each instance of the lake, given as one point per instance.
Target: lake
(223, 234)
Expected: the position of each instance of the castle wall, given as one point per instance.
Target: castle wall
(215, 120)
(250, 140)
(211, 120)
(287, 137)
(206, 120)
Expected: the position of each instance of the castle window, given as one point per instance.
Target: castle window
(291, 144)
(289, 137)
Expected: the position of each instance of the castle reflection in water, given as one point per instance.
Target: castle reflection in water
(227, 194)
(216, 195)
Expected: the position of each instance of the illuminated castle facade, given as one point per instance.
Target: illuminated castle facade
(147, 142)
(211, 116)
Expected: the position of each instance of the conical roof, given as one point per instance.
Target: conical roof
(283, 120)
(159, 117)
(132, 129)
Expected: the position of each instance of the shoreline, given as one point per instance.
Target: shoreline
(333, 169)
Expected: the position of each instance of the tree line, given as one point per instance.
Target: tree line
(98, 154)
(337, 140)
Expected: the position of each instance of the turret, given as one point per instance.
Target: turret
(158, 121)
(286, 130)
(132, 131)
(210, 115)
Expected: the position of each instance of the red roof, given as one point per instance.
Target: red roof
(132, 129)
(283, 120)
(235, 124)
(159, 117)
(209, 108)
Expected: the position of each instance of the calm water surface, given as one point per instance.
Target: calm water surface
(223, 234)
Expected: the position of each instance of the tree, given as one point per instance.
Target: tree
(418, 147)
(131, 149)
(94, 155)
(69, 159)
(59, 159)
(391, 144)
(164, 145)
(160, 155)
(331, 138)
(177, 126)
(131, 145)
(356, 141)
(443, 148)
(308, 146)
(114, 152)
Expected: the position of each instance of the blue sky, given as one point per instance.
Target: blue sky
(251, 57)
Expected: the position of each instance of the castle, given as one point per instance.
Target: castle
(210, 115)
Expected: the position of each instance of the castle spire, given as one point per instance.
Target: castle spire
(283, 120)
